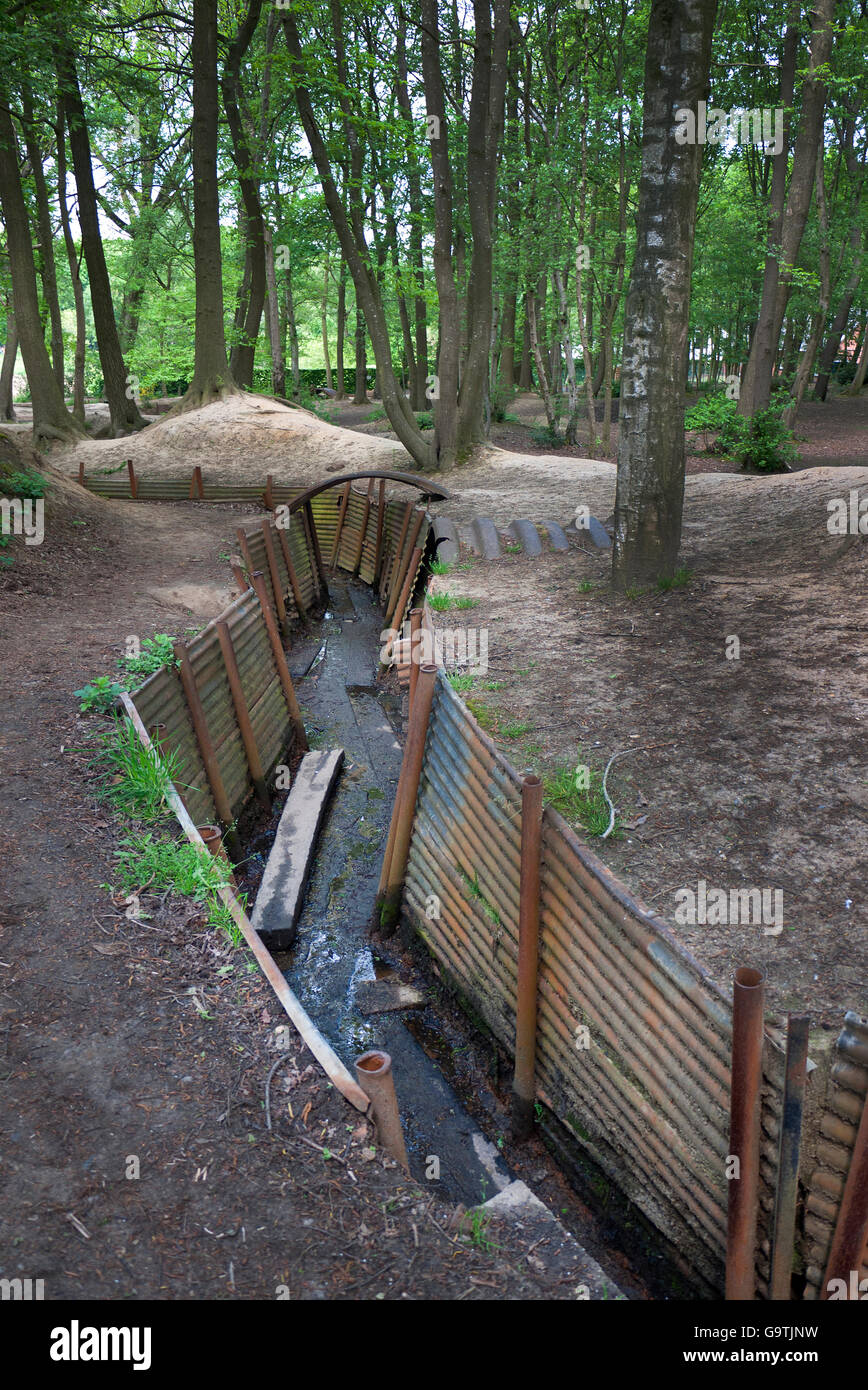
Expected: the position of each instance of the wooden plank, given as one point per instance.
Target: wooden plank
(281, 892)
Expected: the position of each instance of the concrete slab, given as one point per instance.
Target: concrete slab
(556, 534)
(556, 1252)
(446, 539)
(527, 536)
(486, 541)
(281, 892)
(387, 996)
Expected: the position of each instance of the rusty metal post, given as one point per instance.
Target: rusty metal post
(204, 740)
(134, 487)
(374, 1073)
(297, 595)
(280, 660)
(277, 588)
(197, 487)
(81, 471)
(851, 1228)
(404, 810)
(744, 1132)
(381, 521)
(784, 1229)
(405, 566)
(415, 647)
(336, 545)
(237, 568)
(242, 714)
(397, 616)
(157, 735)
(363, 530)
(313, 541)
(244, 547)
(389, 569)
(524, 1080)
(269, 495)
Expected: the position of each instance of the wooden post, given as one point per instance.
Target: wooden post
(280, 661)
(134, 490)
(203, 737)
(404, 810)
(524, 1080)
(81, 472)
(269, 495)
(242, 713)
(197, 487)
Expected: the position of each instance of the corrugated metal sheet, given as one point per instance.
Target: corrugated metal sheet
(846, 1098)
(649, 1098)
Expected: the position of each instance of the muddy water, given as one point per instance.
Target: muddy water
(343, 707)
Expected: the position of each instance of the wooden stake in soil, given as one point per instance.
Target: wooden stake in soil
(276, 585)
(313, 539)
(340, 524)
(297, 596)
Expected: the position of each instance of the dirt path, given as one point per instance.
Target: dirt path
(135, 1161)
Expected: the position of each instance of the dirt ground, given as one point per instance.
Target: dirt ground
(144, 1047)
(746, 772)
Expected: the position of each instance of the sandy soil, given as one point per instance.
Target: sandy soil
(751, 771)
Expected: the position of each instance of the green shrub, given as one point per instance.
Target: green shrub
(425, 419)
(99, 696)
(760, 441)
(23, 483)
(710, 413)
(545, 437)
(155, 653)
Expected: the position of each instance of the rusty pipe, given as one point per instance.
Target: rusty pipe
(851, 1228)
(213, 837)
(403, 812)
(524, 1079)
(374, 1073)
(744, 1132)
(784, 1227)
(415, 646)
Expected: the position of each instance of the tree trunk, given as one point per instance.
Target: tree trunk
(542, 375)
(248, 182)
(525, 378)
(74, 273)
(859, 379)
(417, 219)
(211, 375)
(360, 396)
(51, 419)
(342, 328)
(651, 459)
(832, 345)
(7, 371)
(48, 270)
(357, 256)
(292, 328)
(123, 409)
(272, 321)
(789, 228)
(806, 364)
(506, 370)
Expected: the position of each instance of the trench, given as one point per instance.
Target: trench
(344, 706)
(450, 1109)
